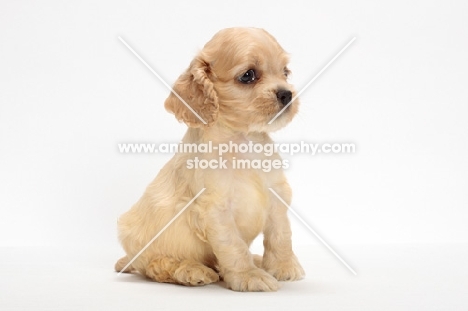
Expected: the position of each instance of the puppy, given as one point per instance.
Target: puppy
(236, 85)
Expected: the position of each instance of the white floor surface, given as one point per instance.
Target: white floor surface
(390, 277)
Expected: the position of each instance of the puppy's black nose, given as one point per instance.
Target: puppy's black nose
(284, 96)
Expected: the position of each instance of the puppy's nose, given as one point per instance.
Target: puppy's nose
(284, 96)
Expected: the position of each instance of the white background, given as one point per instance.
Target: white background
(70, 91)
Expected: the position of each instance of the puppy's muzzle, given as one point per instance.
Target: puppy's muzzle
(284, 96)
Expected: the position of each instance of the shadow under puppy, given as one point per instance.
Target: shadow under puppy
(236, 84)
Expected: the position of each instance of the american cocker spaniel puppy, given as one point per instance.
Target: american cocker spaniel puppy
(236, 84)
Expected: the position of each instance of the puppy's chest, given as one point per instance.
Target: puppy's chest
(249, 206)
(243, 186)
(248, 200)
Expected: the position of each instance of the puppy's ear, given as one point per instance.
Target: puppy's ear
(196, 89)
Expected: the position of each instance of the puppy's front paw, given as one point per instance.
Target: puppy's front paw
(255, 280)
(290, 270)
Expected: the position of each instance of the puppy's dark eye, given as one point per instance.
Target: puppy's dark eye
(286, 72)
(248, 77)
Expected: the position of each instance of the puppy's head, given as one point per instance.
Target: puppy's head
(238, 80)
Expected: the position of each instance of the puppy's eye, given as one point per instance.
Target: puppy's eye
(248, 77)
(286, 72)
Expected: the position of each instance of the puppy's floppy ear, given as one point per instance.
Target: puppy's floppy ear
(197, 90)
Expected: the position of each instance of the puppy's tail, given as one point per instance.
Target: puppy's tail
(121, 263)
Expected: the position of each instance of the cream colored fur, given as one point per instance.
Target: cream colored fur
(210, 240)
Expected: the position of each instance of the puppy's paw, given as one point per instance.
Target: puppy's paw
(121, 263)
(255, 280)
(290, 270)
(195, 274)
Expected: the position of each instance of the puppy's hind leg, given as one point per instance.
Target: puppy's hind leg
(194, 273)
(185, 272)
(121, 263)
